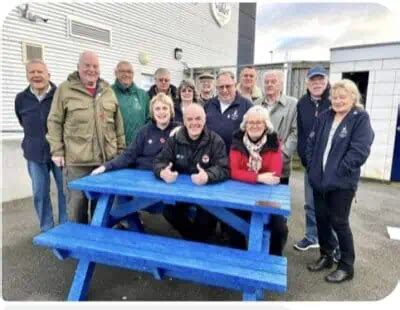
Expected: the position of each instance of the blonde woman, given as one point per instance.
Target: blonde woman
(336, 148)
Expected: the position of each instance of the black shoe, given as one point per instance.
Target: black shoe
(323, 262)
(338, 276)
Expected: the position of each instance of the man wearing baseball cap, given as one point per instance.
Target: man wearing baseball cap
(314, 102)
(206, 87)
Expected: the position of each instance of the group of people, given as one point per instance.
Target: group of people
(86, 126)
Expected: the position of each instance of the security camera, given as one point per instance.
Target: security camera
(45, 20)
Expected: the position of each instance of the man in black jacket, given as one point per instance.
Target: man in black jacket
(313, 103)
(201, 153)
(162, 79)
(32, 107)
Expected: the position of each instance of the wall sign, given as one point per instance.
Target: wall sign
(222, 12)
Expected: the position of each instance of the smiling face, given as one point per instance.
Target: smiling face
(124, 74)
(161, 113)
(89, 69)
(226, 88)
(187, 94)
(206, 85)
(255, 126)
(194, 119)
(317, 85)
(342, 101)
(38, 76)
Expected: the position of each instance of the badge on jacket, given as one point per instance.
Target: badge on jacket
(205, 159)
(343, 133)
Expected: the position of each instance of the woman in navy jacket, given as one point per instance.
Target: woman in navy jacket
(149, 140)
(338, 145)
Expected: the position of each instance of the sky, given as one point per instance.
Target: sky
(306, 31)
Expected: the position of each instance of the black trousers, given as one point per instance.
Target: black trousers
(332, 210)
(200, 228)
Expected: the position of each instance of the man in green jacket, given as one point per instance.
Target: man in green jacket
(85, 128)
(133, 101)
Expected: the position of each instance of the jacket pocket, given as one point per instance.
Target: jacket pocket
(78, 113)
(110, 145)
(78, 146)
(109, 109)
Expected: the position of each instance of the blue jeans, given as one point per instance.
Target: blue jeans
(40, 176)
(309, 210)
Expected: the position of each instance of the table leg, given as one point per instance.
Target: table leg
(81, 282)
(103, 207)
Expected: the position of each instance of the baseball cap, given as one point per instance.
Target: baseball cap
(316, 70)
(206, 75)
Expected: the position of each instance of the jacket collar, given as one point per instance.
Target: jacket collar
(182, 136)
(271, 145)
(130, 89)
(75, 83)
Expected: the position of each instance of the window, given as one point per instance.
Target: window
(32, 51)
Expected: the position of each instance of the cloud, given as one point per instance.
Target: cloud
(293, 27)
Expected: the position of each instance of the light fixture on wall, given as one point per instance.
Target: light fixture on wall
(144, 58)
(178, 53)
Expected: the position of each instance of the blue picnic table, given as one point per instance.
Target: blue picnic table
(251, 271)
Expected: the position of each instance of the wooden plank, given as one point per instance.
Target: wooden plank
(81, 282)
(162, 245)
(229, 194)
(126, 256)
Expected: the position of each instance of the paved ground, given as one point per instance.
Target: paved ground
(34, 274)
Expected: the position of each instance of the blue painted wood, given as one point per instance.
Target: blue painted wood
(229, 194)
(81, 282)
(102, 211)
(61, 254)
(256, 232)
(129, 250)
(126, 207)
(230, 218)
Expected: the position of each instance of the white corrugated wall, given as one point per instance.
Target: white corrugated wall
(154, 28)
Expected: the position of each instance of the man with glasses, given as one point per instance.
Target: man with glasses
(313, 103)
(206, 86)
(162, 78)
(283, 113)
(133, 101)
(224, 115)
(247, 86)
(225, 111)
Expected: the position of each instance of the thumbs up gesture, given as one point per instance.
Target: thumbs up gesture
(168, 175)
(201, 177)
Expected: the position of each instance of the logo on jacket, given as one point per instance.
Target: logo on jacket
(162, 140)
(150, 141)
(343, 133)
(234, 116)
(179, 156)
(205, 159)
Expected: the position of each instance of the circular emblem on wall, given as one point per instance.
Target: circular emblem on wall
(222, 12)
(205, 158)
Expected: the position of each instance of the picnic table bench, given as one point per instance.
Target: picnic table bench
(251, 271)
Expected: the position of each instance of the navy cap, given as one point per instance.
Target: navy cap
(316, 70)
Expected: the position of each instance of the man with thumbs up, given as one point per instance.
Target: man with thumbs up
(197, 151)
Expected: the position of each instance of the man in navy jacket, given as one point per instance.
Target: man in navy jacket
(309, 107)
(32, 107)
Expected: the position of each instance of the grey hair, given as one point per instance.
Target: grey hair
(35, 61)
(123, 62)
(197, 105)
(161, 71)
(83, 54)
(350, 87)
(260, 111)
(277, 73)
(227, 72)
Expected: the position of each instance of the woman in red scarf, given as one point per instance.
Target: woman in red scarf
(256, 157)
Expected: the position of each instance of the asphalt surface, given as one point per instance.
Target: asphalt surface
(33, 273)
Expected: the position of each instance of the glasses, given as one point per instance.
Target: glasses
(187, 90)
(125, 71)
(221, 87)
(255, 123)
(163, 80)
